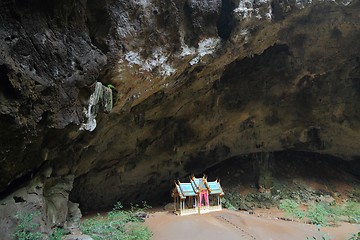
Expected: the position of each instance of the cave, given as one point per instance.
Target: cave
(96, 13)
(225, 23)
(263, 95)
(286, 167)
(281, 172)
(7, 90)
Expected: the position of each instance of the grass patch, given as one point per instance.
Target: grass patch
(291, 209)
(27, 228)
(352, 211)
(227, 204)
(322, 213)
(232, 201)
(58, 233)
(355, 236)
(318, 214)
(118, 224)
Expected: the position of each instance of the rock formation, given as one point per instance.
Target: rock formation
(194, 82)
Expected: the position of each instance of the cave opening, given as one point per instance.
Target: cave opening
(6, 88)
(225, 23)
(98, 23)
(284, 164)
(299, 175)
(304, 176)
(191, 36)
(16, 184)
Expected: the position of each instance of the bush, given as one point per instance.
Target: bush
(118, 224)
(352, 211)
(57, 234)
(139, 232)
(227, 204)
(291, 208)
(232, 201)
(318, 214)
(355, 236)
(27, 229)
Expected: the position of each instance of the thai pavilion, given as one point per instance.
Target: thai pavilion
(197, 197)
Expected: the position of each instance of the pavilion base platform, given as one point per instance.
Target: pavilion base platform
(198, 210)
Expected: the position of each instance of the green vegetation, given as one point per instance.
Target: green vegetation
(57, 234)
(325, 236)
(227, 204)
(27, 229)
(318, 214)
(322, 213)
(110, 86)
(118, 224)
(291, 209)
(355, 236)
(352, 211)
(232, 201)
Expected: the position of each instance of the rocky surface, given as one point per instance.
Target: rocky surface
(195, 82)
(306, 178)
(47, 197)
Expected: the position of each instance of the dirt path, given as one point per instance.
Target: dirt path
(229, 225)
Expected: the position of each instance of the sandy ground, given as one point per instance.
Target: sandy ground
(228, 225)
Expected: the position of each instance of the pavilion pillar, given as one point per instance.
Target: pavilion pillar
(180, 206)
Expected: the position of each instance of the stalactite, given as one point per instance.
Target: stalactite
(100, 101)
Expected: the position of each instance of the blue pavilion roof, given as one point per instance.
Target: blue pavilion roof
(215, 188)
(195, 186)
(187, 189)
(198, 183)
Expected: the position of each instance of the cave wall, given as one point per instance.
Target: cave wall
(285, 84)
(47, 67)
(195, 82)
(46, 59)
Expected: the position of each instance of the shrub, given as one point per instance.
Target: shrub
(139, 232)
(227, 204)
(27, 229)
(318, 214)
(118, 224)
(291, 208)
(57, 234)
(335, 211)
(352, 211)
(233, 200)
(355, 236)
(322, 213)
